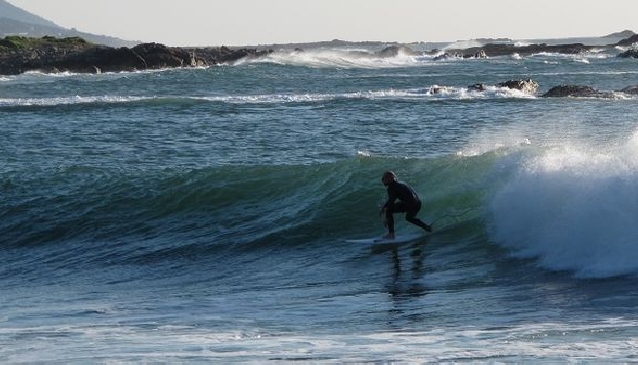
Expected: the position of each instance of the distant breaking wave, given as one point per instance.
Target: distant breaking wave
(342, 58)
(345, 59)
(433, 92)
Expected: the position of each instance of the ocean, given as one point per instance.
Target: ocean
(200, 214)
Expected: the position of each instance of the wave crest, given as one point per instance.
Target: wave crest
(573, 208)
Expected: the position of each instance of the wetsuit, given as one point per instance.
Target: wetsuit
(408, 202)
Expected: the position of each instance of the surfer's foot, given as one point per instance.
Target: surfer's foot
(389, 236)
(428, 228)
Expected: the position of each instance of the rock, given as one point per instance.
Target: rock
(157, 55)
(234, 56)
(444, 56)
(49, 54)
(480, 54)
(394, 51)
(224, 55)
(627, 42)
(527, 86)
(506, 49)
(632, 53)
(477, 87)
(631, 90)
(573, 91)
(436, 89)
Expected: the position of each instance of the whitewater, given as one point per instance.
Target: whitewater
(199, 215)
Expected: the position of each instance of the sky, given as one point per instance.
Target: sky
(254, 22)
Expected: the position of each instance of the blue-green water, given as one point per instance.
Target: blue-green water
(199, 214)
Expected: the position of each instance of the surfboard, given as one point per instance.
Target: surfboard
(402, 238)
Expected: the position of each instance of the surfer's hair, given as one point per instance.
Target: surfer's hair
(389, 175)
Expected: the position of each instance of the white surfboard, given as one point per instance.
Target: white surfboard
(402, 238)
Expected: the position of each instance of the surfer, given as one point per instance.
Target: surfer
(408, 202)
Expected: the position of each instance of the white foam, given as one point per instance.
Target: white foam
(488, 141)
(607, 339)
(342, 58)
(573, 208)
(430, 92)
(68, 100)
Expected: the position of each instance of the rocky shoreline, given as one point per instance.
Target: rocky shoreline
(52, 55)
(74, 54)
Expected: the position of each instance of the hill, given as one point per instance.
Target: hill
(15, 21)
(10, 11)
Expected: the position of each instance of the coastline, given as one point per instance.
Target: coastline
(74, 54)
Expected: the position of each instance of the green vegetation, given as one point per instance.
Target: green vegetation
(14, 42)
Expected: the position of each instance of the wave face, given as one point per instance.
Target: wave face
(573, 206)
(227, 206)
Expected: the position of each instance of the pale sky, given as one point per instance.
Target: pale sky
(253, 22)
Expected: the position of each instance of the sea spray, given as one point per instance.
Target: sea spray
(573, 208)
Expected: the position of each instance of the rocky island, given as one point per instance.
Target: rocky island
(49, 54)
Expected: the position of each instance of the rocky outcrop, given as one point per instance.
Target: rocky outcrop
(627, 42)
(51, 55)
(528, 86)
(506, 49)
(579, 91)
(630, 90)
(224, 55)
(632, 53)
(394, 51)
(477, 87)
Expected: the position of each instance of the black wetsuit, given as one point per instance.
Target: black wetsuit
(408, 202)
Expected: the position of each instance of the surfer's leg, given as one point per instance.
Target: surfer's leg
(411, 217)
(398, 207)
(389, 220)
(418, 222)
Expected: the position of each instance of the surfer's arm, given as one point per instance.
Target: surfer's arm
(392, 196)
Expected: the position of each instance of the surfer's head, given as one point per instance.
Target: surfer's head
(388, 177)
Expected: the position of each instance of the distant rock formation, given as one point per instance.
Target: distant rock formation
(632, 53)
(50, 54)
(580, 91)
(394, 51)
(627, 42)
(528, 86)
(225, 55)
(630, 90)
(506, 49)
